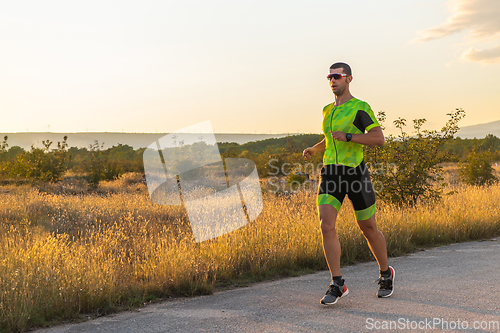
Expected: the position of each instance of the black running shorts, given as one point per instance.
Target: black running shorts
(337, 181)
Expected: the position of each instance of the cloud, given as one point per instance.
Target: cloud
(486, 56)
(480, 17)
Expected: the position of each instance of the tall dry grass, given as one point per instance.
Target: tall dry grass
(64, 255)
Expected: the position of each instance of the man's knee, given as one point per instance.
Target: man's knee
(368, 227)
(327, 227)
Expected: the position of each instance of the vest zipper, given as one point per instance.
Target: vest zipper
(331, 129)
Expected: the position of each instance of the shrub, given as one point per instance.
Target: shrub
(42, 163)
(99, 167)
(476, 169)
(406, 169)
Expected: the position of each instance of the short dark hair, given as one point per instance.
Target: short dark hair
(344, 66)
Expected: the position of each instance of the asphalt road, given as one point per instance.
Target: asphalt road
(455, 286)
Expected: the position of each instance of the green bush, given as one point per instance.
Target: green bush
(41, 164)
(406, 168)
(476, 169)
(99, 166)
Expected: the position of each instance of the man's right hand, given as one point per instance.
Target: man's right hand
(308, 152)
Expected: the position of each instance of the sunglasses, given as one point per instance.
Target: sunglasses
(335, 76)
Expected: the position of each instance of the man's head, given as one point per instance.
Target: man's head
(340, 83)
(342, 65)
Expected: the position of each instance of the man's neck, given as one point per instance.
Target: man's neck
(339, 100)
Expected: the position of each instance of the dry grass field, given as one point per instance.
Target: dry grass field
(65, 252)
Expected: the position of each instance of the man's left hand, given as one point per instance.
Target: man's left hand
(338, 136)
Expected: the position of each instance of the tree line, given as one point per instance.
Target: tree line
(416, 158)
(49, 164)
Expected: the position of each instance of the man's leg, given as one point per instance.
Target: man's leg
(376, 241)
(331, 244)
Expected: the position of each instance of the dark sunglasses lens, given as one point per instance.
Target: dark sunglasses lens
(335, 76)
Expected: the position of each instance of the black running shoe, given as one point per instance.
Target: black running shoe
(334, 293)
(386, 284)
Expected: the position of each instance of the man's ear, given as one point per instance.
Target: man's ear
(349, 79)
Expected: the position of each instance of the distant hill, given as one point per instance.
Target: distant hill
(136, 140)
(294, 142)
(140, 140)
(480, 131)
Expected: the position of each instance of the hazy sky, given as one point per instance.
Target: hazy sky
(249, 67)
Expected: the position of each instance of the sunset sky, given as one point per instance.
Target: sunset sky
(248, 67)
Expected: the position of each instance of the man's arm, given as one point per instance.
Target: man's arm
(374, 137)
(309, 152)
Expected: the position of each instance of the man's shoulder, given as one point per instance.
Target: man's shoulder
(327, 108)
(360, 105)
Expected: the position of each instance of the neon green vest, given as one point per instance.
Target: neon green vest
(355, 117)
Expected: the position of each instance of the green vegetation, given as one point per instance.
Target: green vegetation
(271, 145)
(407, 168)
(272, 157)
(99, 167)
(457, 148)
(41, 164)
(62, 256)
(50, 165)
(68, 251)
(272, 154)
(476, 169)
(3, 144)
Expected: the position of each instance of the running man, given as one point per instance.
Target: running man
(344, 173)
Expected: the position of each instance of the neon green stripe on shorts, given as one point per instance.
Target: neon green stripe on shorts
(327, 199)
(365, 214)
